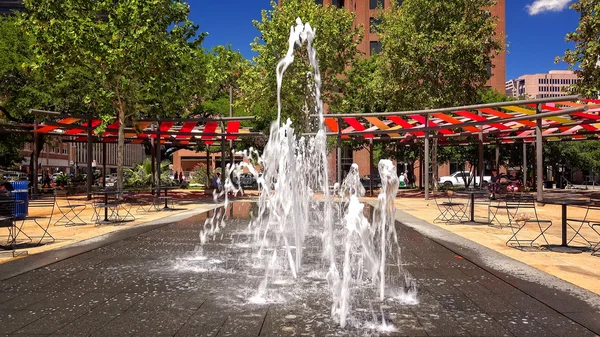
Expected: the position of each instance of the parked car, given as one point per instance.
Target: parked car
(366, 181)
(248, 180)
(459, 178)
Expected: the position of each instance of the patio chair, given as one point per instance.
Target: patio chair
(128, 199)
(588, 221)
(508, 203)
(519, 220)
(47, 202)
(8, 221)
(450, 210)
(69, 209)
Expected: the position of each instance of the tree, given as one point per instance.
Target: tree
(585, 58)
(134, 56)
(336, 44)
(436, 53)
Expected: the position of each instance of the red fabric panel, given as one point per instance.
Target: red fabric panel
(505, 115)
(478, 118)
(233, 127)
(398, 120)
(112, 129)
(421, 119)
(210, 127)
(166, 126)
(332, 124)
(186, 127)
(357, 126)
(95, 123)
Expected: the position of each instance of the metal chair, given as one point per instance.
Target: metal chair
(525, 202)
(70, 211)
(43, 222)
(449, 210)
(8, 220)
(588, 221)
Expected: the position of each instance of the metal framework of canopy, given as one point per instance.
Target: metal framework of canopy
(528, 121)
(174, 131)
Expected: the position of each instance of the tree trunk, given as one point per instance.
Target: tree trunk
(120, 149)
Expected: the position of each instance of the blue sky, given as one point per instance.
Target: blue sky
(536, 29)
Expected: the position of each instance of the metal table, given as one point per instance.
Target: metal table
(564, 203)
(165, 188)
(106, 194)
(472, 194)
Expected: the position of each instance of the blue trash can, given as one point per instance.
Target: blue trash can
(20, 193)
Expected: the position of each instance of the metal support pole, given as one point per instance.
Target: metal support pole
(231, 115)
(524, 164)
(426, 168)
(158, 159)
(339, 153)
(371, 177)
(539, 156)
(34, 174)
(223, 157)
(90, 174)
(104, 165)
(153, 163)
(207, 167)
(481, 166)
(497, 159)
(481, 163)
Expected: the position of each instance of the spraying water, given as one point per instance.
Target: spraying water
(295, 198)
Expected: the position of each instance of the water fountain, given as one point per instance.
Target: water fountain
(295, 202)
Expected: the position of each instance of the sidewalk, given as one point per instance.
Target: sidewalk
(581, 269)
(69, 235)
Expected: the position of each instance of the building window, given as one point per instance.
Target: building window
(337, 3)
(319, 2)
(375, 47)
(375, 22)
(374, 4)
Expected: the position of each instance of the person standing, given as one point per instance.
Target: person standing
(181, 177)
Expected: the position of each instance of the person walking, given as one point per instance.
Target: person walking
(181, 177)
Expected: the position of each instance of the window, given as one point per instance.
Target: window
(319, 2)
(539, 81)
(374, 4)
(336, 3)
(375, 47)
(375, 22)
(64, 150)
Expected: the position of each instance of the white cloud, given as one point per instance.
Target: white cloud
(540, 6)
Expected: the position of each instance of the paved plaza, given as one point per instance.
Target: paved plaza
(157, 280)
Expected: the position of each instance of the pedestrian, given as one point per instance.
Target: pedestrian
(46, 181)
(6, 189)
(181, 177)
(216, 183)
(175, 176)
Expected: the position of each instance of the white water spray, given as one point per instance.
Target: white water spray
(294, 170)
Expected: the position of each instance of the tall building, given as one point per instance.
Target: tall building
(366, 13)
(7, 6)
(552, 84)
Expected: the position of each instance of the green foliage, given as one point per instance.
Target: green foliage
(436, 53)
(585, 58)
(62, 180)
(140, 176)
(336, 44)
(133, 57)
(199, 175)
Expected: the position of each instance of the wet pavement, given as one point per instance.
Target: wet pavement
(162, 282)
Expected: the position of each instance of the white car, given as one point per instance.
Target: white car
(460, 178)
